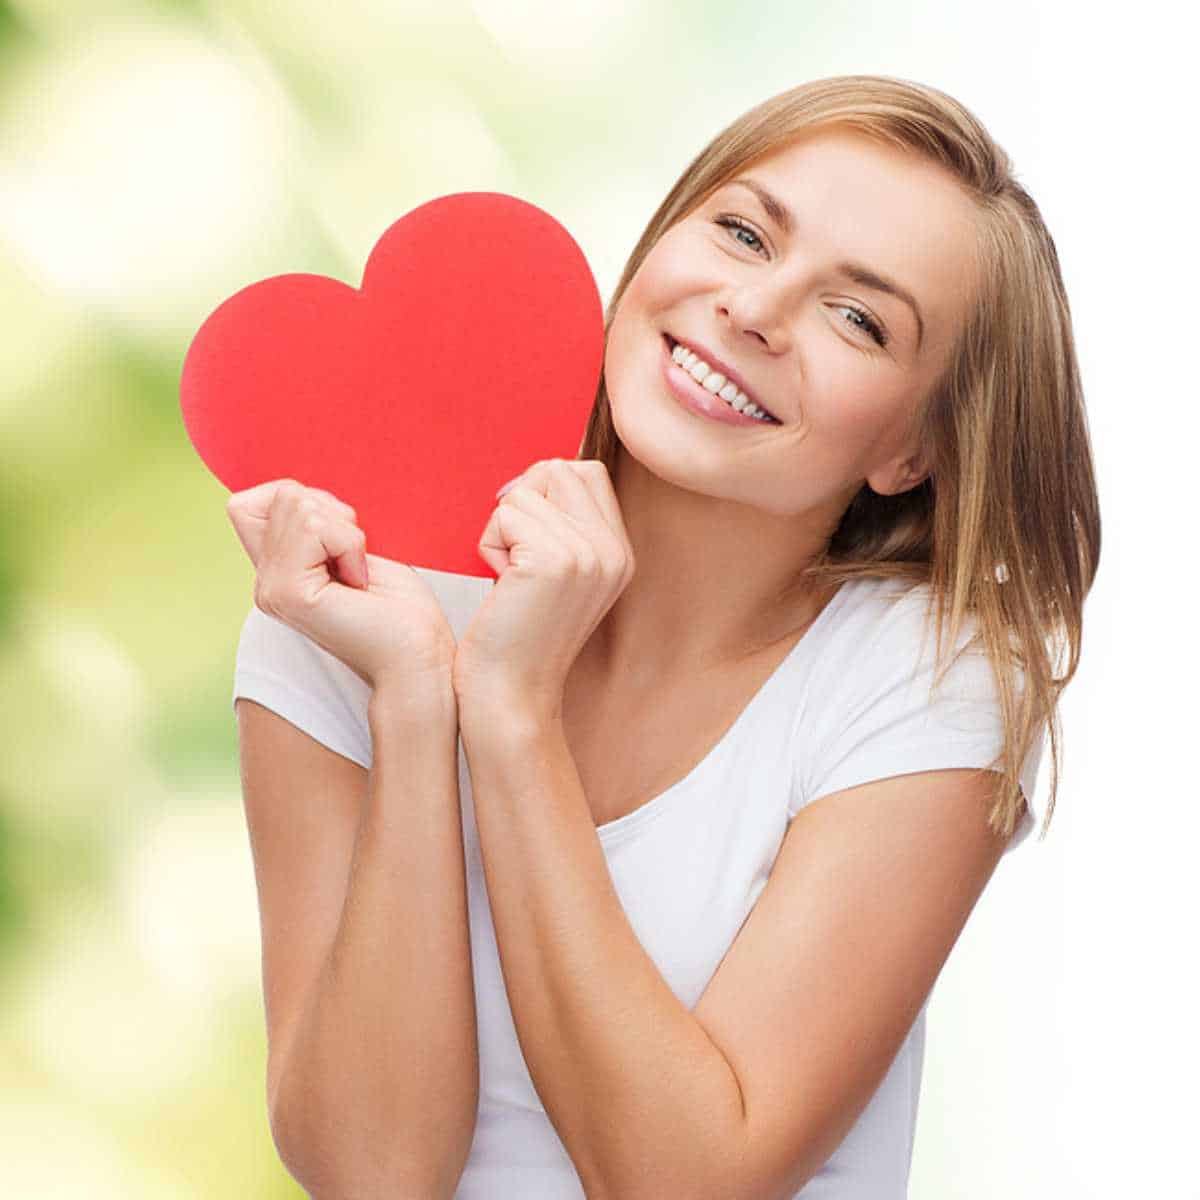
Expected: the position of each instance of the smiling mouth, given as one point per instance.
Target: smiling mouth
(772, 419)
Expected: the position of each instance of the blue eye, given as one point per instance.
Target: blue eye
(868, 323)
(734, 223)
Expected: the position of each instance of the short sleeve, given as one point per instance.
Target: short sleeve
(287, 672)
(880, 719)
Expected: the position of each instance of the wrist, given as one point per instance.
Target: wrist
(411, 697)
(505, 718)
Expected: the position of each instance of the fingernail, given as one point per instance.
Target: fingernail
(508, 486)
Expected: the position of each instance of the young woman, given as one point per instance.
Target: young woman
(747, 721)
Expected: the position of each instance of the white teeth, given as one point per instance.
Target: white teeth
(716, 383)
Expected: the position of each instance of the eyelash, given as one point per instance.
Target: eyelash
(869, 324)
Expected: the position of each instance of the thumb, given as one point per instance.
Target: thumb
(352, 570)
(495, 558)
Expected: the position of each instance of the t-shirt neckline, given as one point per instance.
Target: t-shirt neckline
(622, 827)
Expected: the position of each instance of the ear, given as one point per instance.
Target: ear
(902, 474)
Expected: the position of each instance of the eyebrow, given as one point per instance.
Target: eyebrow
(855, 271)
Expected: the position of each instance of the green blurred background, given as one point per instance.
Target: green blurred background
(157, 157)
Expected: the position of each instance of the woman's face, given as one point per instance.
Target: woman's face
(778, 306)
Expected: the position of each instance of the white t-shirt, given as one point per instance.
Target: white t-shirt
(850, 703)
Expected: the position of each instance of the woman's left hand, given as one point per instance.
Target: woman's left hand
(558, 543)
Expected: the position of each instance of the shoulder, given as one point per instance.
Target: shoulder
(884, 699)
(878, 677)
(882, 628)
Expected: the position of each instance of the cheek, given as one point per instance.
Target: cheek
(845, 430)
(877, 434)
(667, 273)
(619, 350)
(642, 286)
(637, 309)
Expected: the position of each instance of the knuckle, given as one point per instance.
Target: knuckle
(336, 501)
(312, 523)
(284, 498)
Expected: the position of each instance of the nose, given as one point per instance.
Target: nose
(755, 315)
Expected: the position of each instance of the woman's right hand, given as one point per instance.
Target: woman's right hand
(379, 617)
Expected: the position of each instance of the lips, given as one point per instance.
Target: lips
(730, 374)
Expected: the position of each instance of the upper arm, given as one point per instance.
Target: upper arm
(303, 802)
(812, 1002)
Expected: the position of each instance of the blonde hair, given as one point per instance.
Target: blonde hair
(1007, 525)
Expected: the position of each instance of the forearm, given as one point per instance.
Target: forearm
(631, 1081)
(380, 1090)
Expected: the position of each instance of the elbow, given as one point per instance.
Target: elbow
(303, 1156)
(717, 1170)
(331, 1169)
(730, 1173)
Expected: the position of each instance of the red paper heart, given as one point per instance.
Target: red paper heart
(472, 350)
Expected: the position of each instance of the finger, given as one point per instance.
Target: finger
(256, 501)
(587, 495)
(589, 478)
(554, 479)
(340, 505)
(593, 474)
(561, 483)
(555, 531)
(309, 534)
(500, 546)
(250, 509)
(351, 569)
(577, 497)
(345, 544)
(355, 572)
